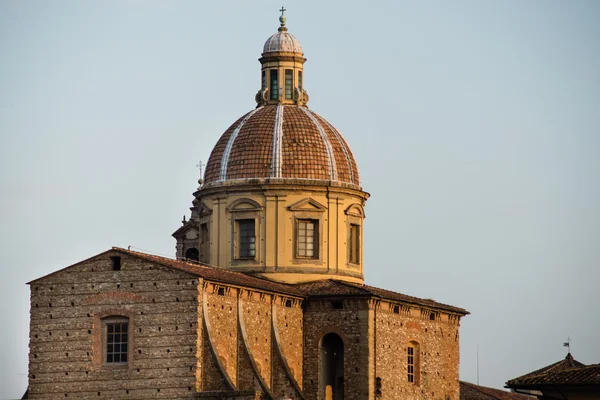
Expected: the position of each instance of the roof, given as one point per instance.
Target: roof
(334, 288)
(282, 142)
(563, 365)
(470, 391)
(565, 372)
(282, 41)
(320, 288)
(215, 274)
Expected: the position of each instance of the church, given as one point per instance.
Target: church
(265, 297)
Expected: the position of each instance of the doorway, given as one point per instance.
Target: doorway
(332, 367)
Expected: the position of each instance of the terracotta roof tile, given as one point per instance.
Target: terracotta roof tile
(565, 364)
(587, 375)
(310, 149)
(216, 274)
(470, 391)
(329, 288)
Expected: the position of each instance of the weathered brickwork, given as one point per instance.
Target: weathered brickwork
(352, 323)
(437, 360)
(66, 340)
(193, 337)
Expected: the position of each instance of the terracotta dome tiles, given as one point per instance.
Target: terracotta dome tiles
(282, 141)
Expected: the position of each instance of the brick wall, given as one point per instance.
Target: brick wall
(438, 353)
(65, 357)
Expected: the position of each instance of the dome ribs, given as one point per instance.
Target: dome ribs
(213, 166)
(282, 142)
(346, 167)
(276, 160)
(304, 153)
(229, 146)
(251, 153)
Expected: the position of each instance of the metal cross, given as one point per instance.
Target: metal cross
(200, 165)
(282, 10)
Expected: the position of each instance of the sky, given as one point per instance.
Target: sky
(475, 125)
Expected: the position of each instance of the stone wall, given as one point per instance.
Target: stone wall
(438, 358)
(353, 323)
(253, 341)
(67, 307)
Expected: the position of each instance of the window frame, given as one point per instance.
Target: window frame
(112, 320)
(354, 247)
(240, 231)
(274, 84)
(288, 81)
(413, 362)
(315, 238)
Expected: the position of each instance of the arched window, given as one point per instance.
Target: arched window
(413, 363)
(115, 340)
(192, 254)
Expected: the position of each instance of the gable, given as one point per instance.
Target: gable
(307, 204)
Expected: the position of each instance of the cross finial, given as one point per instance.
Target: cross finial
(200, 165)
(282, 19)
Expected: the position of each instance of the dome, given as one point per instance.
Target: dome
(282, 142)
(282, 41)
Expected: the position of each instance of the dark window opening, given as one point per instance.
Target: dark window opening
(116, 263)
(247, 238)
(274, 84)
(221, 291)
(288, 83)
(337, 305)
(192, 254)
(288, 303)
(432, 316)
(378, 387)
(396, 310)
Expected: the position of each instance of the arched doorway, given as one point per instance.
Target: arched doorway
(332, 367)
(192, 254)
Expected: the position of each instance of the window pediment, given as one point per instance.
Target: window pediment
(244, 205)
(355, 210)
(307, 204)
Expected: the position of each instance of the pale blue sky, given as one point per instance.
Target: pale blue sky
(476, 126)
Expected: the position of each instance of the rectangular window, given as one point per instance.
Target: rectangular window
(264, 80)
(274, 85)
(307, 239)
(411, 364)
(247, 238)
(204, 243)
(300, 81)
(354, 244)
(116, 342)
(288, 83)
